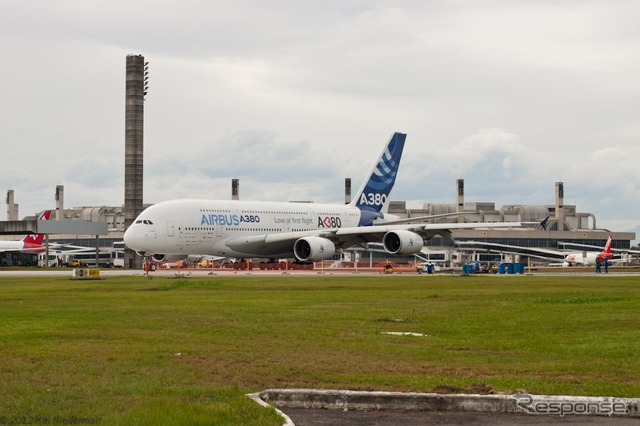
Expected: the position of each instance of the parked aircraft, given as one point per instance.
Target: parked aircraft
(581, 258)
(587, 258)
(30, 243)
(307, 232)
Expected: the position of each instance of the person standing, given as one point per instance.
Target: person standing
(598, 265)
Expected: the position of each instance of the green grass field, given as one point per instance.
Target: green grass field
(130, 350)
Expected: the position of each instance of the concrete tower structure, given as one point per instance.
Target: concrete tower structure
(59, 202)
(12, 207)
(459, 195)
(235, 189)
(136, 89)
(560, 206)
(347, 190)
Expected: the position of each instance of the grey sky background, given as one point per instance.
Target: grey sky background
(291, 97)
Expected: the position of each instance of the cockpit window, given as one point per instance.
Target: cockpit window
(147, 222)
(138, 221)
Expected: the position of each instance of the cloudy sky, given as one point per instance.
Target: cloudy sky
(291, 97)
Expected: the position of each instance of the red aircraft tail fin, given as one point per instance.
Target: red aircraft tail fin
(37, 239)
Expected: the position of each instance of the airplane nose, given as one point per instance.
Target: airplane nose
(129, 239)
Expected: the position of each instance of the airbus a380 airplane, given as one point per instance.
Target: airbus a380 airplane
(308, 232)
(30, 243)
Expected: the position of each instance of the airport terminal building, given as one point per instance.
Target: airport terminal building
(556, 227)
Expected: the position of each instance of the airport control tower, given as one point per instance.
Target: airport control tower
(136, 89)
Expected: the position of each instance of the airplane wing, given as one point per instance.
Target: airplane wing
(417, 219)
(351, 236)
(424, 230)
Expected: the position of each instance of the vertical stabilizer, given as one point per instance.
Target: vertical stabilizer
(607, 247)
(31, 241)
(373, 197)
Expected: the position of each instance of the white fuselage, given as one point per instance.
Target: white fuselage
(586, 258)
(11, 245)
(231, 228)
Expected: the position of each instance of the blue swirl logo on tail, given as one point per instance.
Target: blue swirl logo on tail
(374, 194)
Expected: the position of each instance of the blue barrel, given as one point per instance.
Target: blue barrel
(510, 268)
(501, 268)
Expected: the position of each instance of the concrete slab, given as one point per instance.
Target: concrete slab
(524, 404)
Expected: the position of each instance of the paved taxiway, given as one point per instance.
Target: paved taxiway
(322, 417)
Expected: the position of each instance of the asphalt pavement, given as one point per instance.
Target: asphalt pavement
(325, 417)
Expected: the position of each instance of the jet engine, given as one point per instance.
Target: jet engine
(167, 258)
(313, 249)
(402, 242)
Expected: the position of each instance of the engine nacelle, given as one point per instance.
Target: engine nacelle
(313, 249)
(165, 258)
(402, 242)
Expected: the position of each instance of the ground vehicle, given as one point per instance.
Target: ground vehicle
(427, 267)
(53, 261)
(89, 259)
(117, 255)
